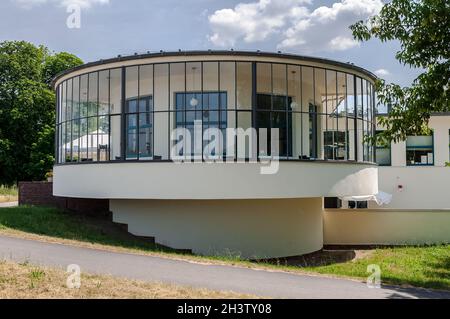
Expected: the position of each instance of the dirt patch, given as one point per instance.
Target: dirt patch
(321, 258)
(8, 199)
(24, 281)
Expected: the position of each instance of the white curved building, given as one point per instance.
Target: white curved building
(233, 195)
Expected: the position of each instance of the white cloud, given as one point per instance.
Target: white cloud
(382, 72)
(341, 43)
(253, 22)
(296, 25)
(82, 3)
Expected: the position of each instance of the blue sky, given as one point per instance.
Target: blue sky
(112, 27)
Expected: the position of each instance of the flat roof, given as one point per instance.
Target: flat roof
(216, 52)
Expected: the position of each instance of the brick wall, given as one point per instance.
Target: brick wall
(41, 194)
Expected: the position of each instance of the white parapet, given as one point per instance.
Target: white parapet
(214, 181)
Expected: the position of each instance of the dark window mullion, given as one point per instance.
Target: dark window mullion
(168, 110)
(79, 119)
(123, 130)
(235, 109)
(219, 104)
(57, 159)
(138, 104)
(355, 102)
(314, 122)
(184, 108)
(87, 115)
(203, 106)
(109, 116)
(301, 110)
(347, 115)
(72, 122)
(336, 111)
(67, 118)
(153, 112)
(98, 112)
(286, 108)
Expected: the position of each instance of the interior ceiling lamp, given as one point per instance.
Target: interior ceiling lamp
(194, 100)
(294, 104)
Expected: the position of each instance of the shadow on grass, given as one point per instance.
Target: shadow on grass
(439, 271)
(317, 259)
(59, 224)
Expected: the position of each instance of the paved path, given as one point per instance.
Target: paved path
(9, 204)
(215, 277)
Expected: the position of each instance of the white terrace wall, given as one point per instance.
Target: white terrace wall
(244, 228)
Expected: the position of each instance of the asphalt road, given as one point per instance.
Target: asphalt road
(216, 277)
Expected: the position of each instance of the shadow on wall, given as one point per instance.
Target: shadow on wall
(366, 179)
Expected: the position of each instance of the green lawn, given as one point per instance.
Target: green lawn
(54, 223)
(427, 267)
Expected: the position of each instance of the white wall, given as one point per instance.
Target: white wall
(381, 227)
(424, 187)
(441, 126)
(244, 228)
(213, 181)
(398, 154)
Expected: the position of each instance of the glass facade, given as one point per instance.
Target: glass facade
(128, 114)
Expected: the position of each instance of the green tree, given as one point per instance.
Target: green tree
(27, 109)
(55, 64)
(423, 29)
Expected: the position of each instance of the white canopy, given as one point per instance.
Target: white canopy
(381, 198)
(93, 138)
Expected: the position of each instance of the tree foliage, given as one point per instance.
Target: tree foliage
(423, 29)
(27, 109)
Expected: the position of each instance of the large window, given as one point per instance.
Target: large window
(420, 150)
(139, 127)
(128, 114)
(139, 113)
(273, 107)
(209, 108)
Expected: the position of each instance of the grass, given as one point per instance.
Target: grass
(53, 223)
(8, 194)
(24, 281)
(427, 267)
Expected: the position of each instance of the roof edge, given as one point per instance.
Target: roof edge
(214, 52)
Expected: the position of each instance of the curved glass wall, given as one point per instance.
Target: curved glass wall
(129, 113)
